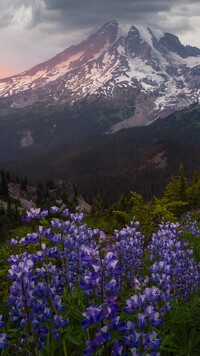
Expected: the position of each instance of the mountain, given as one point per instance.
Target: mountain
(141, 73)
(66, 118)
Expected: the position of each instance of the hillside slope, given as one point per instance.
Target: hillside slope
(141, 158)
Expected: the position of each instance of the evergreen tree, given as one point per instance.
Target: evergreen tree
(175, 194)
(42, 194)
(97, 206)
(176, 190)
(24, 183)
(193, 192)
(4, 185)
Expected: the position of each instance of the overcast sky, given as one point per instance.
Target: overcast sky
(32, 31)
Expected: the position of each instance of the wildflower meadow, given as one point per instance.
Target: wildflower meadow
(73, 290)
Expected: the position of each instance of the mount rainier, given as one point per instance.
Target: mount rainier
(147, 73)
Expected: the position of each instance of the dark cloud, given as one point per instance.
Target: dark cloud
(46, 27)
(92, 12)
(111, 7)
(105, 4)
(87, 14)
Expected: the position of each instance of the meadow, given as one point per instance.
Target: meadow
(68, 289)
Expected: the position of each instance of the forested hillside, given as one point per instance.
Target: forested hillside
(141, 159)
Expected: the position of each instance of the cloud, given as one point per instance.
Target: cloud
(88, 15)
(84, 13)
(35, 30)
(75, 15)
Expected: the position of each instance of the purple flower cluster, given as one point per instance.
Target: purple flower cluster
(173, 268)
(68, 255)
(35, 213)
(192, 226)
(35, 296)
(101, 276)
(114, 266)
(128, 247)
(135, 335)
(38, 283)
(3, 336)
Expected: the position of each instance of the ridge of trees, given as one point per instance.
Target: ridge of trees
(179, 197)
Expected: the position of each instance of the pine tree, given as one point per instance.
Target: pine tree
(97, 206)
(175, 194)
(4, 185)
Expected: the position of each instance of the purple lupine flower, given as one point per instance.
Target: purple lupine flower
(153, 316)
(133, 340)
(118, 325)
(3, 341)
(91, 348)
(117, 348)
(12, 242)
(153, 341)
(103, 335)
(93, 315)
(55, 209)
(130, 328)
(59, 321)
(112, 286)
(1, 322)
(136, 301)
(141, 320)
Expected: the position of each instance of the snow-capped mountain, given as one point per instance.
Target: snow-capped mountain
(146, 68)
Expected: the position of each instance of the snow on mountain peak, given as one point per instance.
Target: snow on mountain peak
(146, 33)
(123, 28)
(157, 33)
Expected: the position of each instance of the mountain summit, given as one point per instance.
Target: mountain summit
(148, 73)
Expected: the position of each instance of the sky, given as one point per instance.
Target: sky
(33, 31)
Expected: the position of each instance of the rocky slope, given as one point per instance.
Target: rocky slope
(26, 197)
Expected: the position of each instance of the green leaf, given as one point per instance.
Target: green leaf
(78, 315)
(73, 339)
